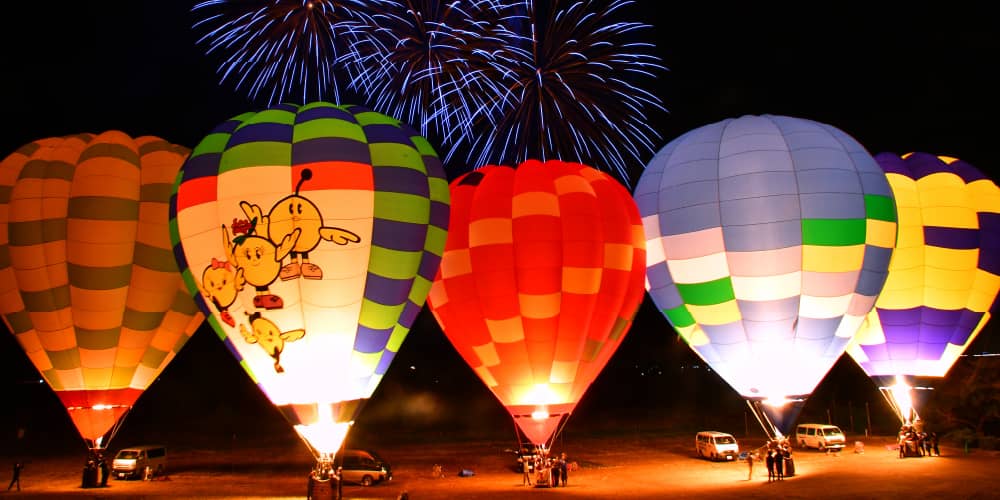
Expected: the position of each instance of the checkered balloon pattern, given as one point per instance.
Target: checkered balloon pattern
(540, 280)
(768, 241)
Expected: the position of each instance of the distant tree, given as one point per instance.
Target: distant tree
(969, 396)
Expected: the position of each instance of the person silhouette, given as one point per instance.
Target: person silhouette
(16, 479)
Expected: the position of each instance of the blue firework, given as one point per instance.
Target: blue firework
(426, 62)
(280, 49)
(572, 76)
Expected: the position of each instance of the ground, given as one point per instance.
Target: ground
(620, 466)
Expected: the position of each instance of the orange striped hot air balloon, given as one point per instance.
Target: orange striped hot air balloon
(541, 276)
(88, 281)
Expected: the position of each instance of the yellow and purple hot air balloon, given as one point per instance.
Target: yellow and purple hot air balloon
(311, 235)
(943, 277)
(89, 285)
(768, 241)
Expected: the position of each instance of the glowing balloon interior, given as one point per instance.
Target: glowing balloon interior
(89, 284)
(943, 278)
(540, 280)
(768, 241)
(311, 234)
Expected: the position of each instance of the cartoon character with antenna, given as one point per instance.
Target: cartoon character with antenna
(295, 213)
(259, 260)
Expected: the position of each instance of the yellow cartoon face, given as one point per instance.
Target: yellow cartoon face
(219, 283)
(296, 212)
(267, 335)
(256, 256)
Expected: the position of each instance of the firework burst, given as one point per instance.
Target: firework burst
(570, 73)
(416, 51)
(280, 49)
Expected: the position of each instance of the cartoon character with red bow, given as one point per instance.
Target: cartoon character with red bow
(221, 284)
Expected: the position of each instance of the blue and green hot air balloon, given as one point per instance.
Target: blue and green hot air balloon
(768, 241)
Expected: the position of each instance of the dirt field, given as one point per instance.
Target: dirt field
(634, 467)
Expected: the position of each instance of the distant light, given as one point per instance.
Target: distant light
(540, 414)
(102, 407)
(412, 367)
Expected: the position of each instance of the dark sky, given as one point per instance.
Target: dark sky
(919, 80)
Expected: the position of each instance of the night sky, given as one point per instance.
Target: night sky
(896, 81)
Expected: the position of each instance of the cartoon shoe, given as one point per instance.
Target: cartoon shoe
(268, 301)
(311, 271)
(290, 272)
(228, 318)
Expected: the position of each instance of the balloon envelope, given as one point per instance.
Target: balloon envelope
(89, 284)
(944, 274)
(540, 280)
(311, 234)
(768, 240)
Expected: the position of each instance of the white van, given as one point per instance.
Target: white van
(364, 467)
(716, 445)
(140, 461)
(820, 436)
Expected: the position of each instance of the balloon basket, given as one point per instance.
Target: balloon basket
(324, 482)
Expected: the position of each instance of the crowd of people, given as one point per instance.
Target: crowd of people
(548, 470)
(915, 442)
(777, 457)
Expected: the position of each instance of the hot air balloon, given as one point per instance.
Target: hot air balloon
(89, 284)
(539, 283)
(768, 241)
(310, 235)
(943, 277)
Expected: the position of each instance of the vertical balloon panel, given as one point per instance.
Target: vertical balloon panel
(768, 240)
(311, 235)
(539, 283)
(944, 275)
(89, 284)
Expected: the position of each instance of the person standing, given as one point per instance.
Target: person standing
(564, 468)
(526, 467)
(750, 465)
(556, 469)
(105, 470)
(934, 444)
(17, 476)
(779, 465)
(769, 460)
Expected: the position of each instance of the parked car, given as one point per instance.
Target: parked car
(140, 461)
(364, 467)
(716, 445)
(820, 436)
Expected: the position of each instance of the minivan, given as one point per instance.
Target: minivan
(140, 461)
(716, 445)
(364, 467)
(820, 436)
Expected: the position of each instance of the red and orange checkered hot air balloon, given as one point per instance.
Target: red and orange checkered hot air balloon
(89, 284)
(542, 274)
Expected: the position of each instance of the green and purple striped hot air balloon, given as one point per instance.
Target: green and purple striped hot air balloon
(768, 241)
(311, 235)
(943, 278)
